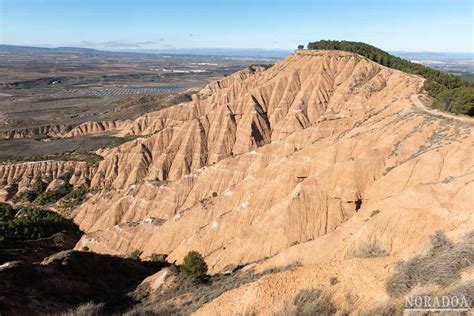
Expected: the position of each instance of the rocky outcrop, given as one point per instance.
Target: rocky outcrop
(87, 128)
(90, 128)
(24, 174)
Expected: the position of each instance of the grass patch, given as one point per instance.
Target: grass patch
(37, 188)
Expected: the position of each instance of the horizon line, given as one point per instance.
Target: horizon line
(143, 50)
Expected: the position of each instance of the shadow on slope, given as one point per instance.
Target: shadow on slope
(71, 278)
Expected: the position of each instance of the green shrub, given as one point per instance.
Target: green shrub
(11, 190)
(73, 199)
(6, 212)
(30, 223)
(194, 266)
(294, 243)
(36, 189)
(135, 254)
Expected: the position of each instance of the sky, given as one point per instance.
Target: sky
(403, 25)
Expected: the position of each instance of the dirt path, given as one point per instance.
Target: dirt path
(415, 98)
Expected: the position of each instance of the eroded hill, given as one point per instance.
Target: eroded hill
(305, 164)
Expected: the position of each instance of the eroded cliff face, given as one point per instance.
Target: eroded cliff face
(263, 159)
(25, 173)
(64, 131)
(249, 110)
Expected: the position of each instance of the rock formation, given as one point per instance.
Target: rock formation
(25, 173)
(302, 163)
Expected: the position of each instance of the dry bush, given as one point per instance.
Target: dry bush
(442, 265)
(469, 237)
(465, 289)
(152, 311)
(439, 242)
(384, 310)
(88, 309)
(310, 302)
(370, 249)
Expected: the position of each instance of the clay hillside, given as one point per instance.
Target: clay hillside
(319, 174)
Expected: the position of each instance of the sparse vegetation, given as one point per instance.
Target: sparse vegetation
(127, 138)
(73, 199)
(264, 66)
(194, 266)
(37, 188)
(85, 248)
(294, 243)
(374, 212)
(184, 297)
(88, 309)
(310, 302)
(52, 196)
(439, 242)
(11, 190)
(158, 257)
(442, 265)
(384, 310)
(135, 254)
(370, 249)
(450, 92)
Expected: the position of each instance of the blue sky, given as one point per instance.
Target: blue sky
(404, 25)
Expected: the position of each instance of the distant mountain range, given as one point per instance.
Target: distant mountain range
(224, 52)
(236, 52)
